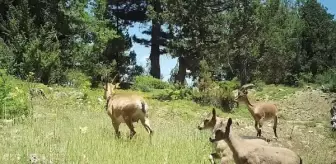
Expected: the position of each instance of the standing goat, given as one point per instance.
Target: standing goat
(261, 111)
(123, 108)
(333, 115)
(251, 153)
(213, 122)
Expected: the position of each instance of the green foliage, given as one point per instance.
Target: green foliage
(204, 76)
(218, 94)
(259, 84)
(13, 99)
(230, 85)
(148, 83)
(176, 92)
(328, 80)
(78, 79)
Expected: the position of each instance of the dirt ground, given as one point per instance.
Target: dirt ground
(303, 126)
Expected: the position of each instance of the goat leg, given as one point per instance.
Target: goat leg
(129, 123)
(212, 157)
(275, 126)
(116, 128)
(257, 128)
(260, 123)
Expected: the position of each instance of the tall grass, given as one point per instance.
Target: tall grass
(56, 136)
(65, 129)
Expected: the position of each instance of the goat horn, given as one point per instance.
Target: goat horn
(246, 86)
(114, 77)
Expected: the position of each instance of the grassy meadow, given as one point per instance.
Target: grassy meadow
(65, 129)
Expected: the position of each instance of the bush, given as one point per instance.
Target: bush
(218, 95)
(291, 80)
(175, 93)
(13, 100)
(77, 79)
(259, 84)
(328, 80)
(148, 83)
(230, 85)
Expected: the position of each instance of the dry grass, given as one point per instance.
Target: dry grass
(67, 130)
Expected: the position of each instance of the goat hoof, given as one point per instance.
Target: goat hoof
(117, 135)
(132, 135)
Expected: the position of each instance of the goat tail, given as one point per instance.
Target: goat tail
(144, 108)
(300, 160)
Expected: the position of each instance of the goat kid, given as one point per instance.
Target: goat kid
(261, 111)
(222, 151)
(252, 153)
(123, 108)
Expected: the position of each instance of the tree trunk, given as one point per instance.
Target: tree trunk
(155, 45)
(182, 71)
(242, 69)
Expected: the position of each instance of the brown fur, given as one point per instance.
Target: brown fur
(251, 153)
(222, 151)
(126, 108)
(261, 111)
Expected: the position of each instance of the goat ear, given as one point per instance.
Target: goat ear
(213, 112)
(116, 85)
(104, 86)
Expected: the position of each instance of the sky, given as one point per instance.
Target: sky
(166, 62)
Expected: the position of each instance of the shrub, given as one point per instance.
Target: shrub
(175, 93)
(217, 95)
(77, 79)
(291, 80)
(259, 84)
(328, 80)
(148, 83)
(13, 100)
(230, 85)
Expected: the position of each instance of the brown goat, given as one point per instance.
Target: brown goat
(123, 108)
(223, 152)
(261, 111)
(252, 153)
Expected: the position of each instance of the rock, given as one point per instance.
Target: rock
(308, 87)
(33, 159)
(83, 130)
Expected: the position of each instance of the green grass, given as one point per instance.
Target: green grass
(54, 133)
(276, 92)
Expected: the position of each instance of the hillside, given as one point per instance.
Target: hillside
(67, 129)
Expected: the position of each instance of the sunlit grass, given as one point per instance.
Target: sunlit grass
(54, 133)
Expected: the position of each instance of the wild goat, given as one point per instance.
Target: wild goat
(333, 115)
(123, 108)
(261, 111)
(251, 153)
(213, 122)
